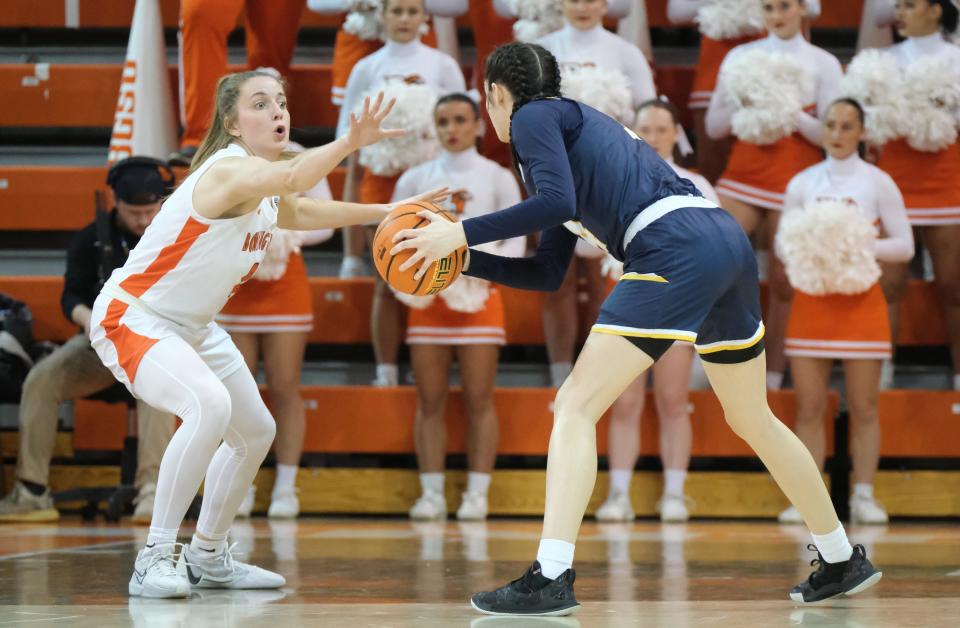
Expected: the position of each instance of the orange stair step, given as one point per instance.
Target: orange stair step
(342, 311)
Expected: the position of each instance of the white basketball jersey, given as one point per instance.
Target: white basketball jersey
(185, 266)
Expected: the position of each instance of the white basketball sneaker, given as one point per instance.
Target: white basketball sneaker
(790, 516)
(674, 508)
(432, 506)
(284, 505)
(616, 508)
(867, 510)
(473, 507)
(223, 572)
(155, 573)
(246, 506)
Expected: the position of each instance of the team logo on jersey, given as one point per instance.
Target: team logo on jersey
(459, 200)
(846, 200)
(409, 79)
(258, 241)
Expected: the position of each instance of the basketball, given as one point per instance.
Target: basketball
(439, 275)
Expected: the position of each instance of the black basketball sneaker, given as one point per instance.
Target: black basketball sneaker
(833, 579)
(532, 594)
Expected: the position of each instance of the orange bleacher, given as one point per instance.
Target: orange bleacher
(342, 311)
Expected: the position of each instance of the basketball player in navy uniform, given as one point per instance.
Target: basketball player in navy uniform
(689, 274)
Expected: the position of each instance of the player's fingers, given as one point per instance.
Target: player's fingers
(404, 234)
(386, 110)
(366, 107)
(412, 260)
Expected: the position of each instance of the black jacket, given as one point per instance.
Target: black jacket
(82, 280)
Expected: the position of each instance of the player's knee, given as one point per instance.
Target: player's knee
(432, 406)
(478, 403)
(215, 408)
(749, 426)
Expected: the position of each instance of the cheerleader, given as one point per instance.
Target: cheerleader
(850, 326)
(465, 320)
(582, 44)
(489, 31)
(783, 140)
(405, 58)
(270, 317)
(658, 123)
(926, 170)
(724, 25)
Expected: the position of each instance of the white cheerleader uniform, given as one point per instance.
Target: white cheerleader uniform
(412, 62)
(479, 186)
(758, 175)
(928, 180)
(848, 326)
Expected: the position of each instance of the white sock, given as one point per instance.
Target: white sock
(956, 381)
(620, 481)
(286, 478)
(209, 548)
(161, 536)
(559, 372)
(673, 480)
(555, 557)
(774, 380)
(863, 490)
(388, 374)
(478, 483)
(431, 482)
(834, 547)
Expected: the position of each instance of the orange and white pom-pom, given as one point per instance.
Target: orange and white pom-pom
(413, 112)
(932, 98)
(282, 245)
(828, 248)
(535, 18)
(729, 19)
(768, 90)
(607, 91)
(874, 80)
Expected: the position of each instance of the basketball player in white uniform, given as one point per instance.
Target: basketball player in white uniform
(152, 324)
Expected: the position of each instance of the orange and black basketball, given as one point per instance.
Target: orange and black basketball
(439, 275)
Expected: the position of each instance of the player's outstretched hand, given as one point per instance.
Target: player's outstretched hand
(365, 128)
(430, 243)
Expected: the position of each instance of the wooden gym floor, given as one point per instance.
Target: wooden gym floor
(392, 573)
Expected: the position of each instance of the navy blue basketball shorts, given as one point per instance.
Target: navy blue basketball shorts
(690, 275)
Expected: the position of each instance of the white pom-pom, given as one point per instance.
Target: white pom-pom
(605, 90)
(363, 19)
(411, 301)
(466, 294)
(827, 248)
(728, 19)
(413, 113)
(873, 79)
(932, 98)
(612, 268)
(274, 264)
(768, 90)
(535, 18)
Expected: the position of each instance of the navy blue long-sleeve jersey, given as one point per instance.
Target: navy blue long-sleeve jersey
(587, 175)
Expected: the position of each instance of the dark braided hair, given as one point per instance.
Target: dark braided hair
(528, 71)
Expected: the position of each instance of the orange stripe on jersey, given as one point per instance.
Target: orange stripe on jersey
(167, 260)
(130, 345)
